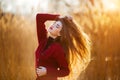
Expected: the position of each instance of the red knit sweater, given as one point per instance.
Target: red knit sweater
(53, 57)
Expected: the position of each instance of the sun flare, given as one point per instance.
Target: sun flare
(111, 5)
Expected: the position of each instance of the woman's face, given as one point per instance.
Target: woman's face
(55, 28)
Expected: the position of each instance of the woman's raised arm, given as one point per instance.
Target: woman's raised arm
(41, 18)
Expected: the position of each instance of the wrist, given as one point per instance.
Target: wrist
(57, 18)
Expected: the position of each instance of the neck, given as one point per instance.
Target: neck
(52, 36)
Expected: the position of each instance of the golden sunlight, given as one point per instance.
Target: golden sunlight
(111, 5)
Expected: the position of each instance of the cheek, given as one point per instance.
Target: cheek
(59, 30)
(56, 31)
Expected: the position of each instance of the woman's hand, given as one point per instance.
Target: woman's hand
(67, 16)
(41, 71)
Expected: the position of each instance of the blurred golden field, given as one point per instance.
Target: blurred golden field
(17, 46)
(104, 31)
(18, 42)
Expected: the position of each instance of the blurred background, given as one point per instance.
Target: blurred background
(100, 19)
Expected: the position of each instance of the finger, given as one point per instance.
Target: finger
(38, 69)
(38, 72)
(40, 66)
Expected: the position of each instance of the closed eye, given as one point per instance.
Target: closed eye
(57, 26)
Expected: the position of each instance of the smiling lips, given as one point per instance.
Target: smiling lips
(51, 28)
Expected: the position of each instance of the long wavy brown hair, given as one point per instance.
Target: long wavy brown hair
(76, 45)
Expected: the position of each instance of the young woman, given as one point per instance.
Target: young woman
(59, 46)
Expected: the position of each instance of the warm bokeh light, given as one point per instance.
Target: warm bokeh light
(111, 5)
(18, 6)
(100, 19)
(32, 7)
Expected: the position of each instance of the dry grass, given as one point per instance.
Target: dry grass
(18, 42)
(104, 30)
(17, 46)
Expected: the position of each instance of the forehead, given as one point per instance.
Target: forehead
(58, 22)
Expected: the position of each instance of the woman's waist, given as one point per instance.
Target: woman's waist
(46, 77)
(48, 63)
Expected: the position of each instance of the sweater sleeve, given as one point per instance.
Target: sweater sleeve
(40, 20)
(62, 64)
